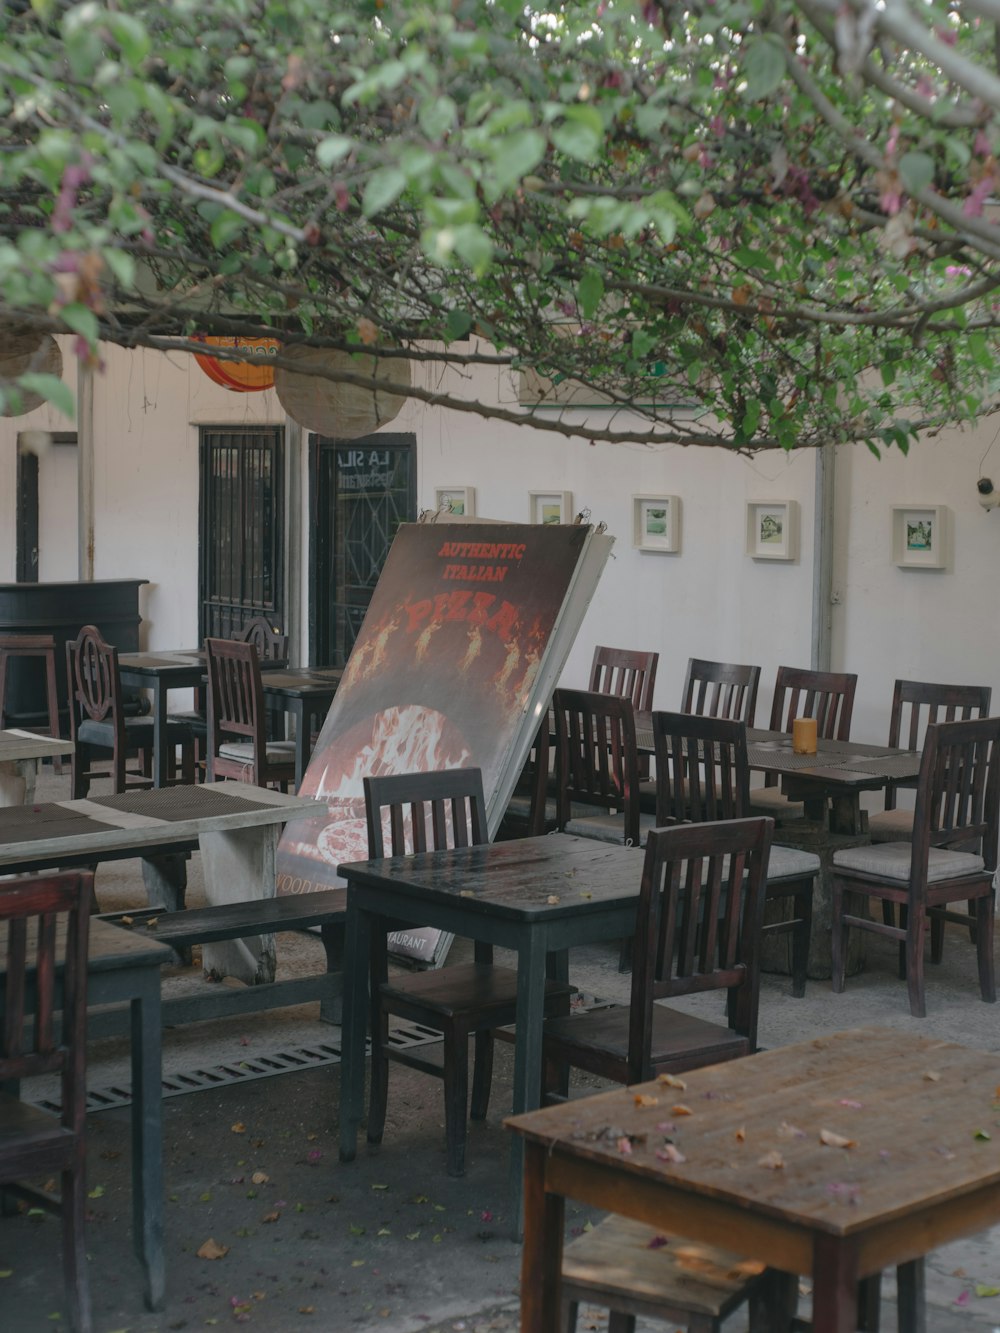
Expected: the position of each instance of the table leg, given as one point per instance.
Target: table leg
(14, 782)
(147, 1137)
(531, 958)
(541, 1259)
(239, 864)
(159, 733)
(835, 1285)
(357, 951)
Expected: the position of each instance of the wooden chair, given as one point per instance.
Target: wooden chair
(41, 646)
(531, 811)
(597, 768)
(721, 689)
(238, 746)
(828, 696)
(629, 674)
(438, 810)
(957, 809)
(100, 721)
(701, 764)
(698, 928)
(915, 703)
(46, 920)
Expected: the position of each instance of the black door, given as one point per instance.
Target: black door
(361, 491)
(241, 571)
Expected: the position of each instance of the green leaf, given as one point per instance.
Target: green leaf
(437, 116)
(52, 389)
(916, 171)
(384, 187)
(458, 324)
(515, 156)
(764, 66)
(590, 292)
(581, 134)
(81, 320)
(983, 1290)
(225, 228)
(333, 149)
(131, 36)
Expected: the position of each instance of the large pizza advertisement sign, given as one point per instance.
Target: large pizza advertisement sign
(440, 676)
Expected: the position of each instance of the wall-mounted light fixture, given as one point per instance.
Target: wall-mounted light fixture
(989, 496)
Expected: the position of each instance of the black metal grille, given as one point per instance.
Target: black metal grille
(241, 529)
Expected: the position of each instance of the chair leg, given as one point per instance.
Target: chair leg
(937, 939)
(801, 935)
(456, 1098)
(911, 1297)
(482, 1075)
(869, 1303)
(916, 931)
(903, 919)
(378, 1093)
(74, 1203)
(773, 1303)
(838, 938)
(984, 947)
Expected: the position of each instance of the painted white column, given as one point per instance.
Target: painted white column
(85, 474)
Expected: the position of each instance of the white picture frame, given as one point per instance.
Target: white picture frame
(773, 529)
(656, 523)
(551, 507)
(921, 536)
(457, 500)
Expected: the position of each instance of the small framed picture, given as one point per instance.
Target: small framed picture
(920, 536)
(656, 522)
(458, 500)
(773, 529)
(551, 507)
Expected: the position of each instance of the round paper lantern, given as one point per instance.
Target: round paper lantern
(21, 352)
(343, 411)
(240, 376)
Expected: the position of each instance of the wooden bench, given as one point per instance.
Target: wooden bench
(325, 909)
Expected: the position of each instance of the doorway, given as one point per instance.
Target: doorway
(47, 511)
(361, 490)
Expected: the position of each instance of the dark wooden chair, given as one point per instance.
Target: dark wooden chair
(411, 813)
(38, 646)
(721, 689)
(698, 926)
(100, 721)
(238, 746)
(915, 703)
(828, 696)
(597, 768)
(46, 920)
(531, 810)
(950, 856)
(624, 672)
(701, 763)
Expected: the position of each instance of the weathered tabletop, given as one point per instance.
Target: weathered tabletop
(20, 754)
(918, 1165)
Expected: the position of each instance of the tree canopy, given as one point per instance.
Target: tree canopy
(778, 212)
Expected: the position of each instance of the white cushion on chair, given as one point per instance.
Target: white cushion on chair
(772, 801)
(891, 825)
(243, 751)
(791, 863)
(891, 860)
(606, 827)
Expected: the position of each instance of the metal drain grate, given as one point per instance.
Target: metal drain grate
(244, 1070)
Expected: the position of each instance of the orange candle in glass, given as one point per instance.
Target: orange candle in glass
(804, 735)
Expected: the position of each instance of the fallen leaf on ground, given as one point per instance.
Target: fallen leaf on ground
(832, 1140)
(772, 1160)
(741, 1134)
(671, 1153)
(671, 1081)
(260, 1178)
(211, 1249)
(680, 1109)
(238, 1128)
(982, 1290)
(552, 899)
(657, 1243)
(271, 1217)
(787, 1131)
(979, 1134)
(644, 1099)
(931, 1077)
(849, 1102)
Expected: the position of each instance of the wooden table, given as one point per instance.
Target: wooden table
(306, 693)
(535, 896)
(21, 753)
(125, 969)
(919, 1173)
(235, 825)
(161, 672)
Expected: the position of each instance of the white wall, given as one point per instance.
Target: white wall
(708, 600)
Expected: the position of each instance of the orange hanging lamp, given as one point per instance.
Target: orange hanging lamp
(239, 376)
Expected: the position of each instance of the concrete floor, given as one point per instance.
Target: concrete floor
(388, 1242)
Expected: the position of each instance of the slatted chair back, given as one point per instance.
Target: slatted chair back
(699, 922)
(828, 696)
(596, 756)
(94, 682)
(958, 793)
(238, 746)
(917, 703)
(425, 811)
(270, 643)
(702, 770)
(721, 689)
(46, 922)
(626, 673)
